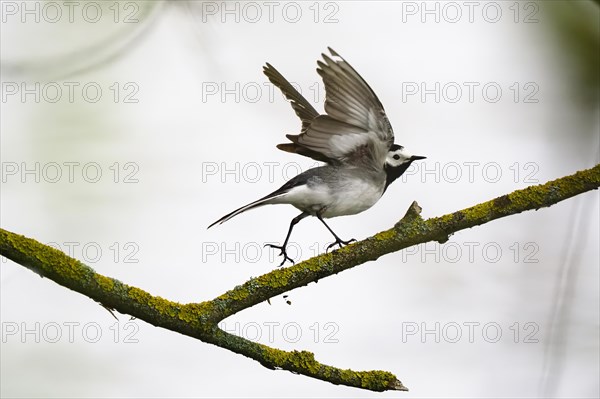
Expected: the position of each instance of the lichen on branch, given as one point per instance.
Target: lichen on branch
(200, 320)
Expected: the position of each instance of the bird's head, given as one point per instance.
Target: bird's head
(397, 161)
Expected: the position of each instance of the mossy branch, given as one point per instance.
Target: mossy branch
(200, 320)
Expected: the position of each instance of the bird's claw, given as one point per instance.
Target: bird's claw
(282, 252)
(339, 243)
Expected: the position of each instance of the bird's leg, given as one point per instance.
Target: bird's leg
(338, 241)
(283, 247)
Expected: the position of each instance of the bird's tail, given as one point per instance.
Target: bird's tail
(263, 201)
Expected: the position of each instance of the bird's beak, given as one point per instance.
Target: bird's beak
(416, 157)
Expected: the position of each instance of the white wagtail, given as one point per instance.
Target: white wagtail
(356, 141)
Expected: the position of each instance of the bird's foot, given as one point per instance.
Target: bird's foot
(340, 243)
(282, 252)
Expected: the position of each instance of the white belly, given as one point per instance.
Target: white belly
(352, 197)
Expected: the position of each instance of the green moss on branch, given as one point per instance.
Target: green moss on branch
(200, 320)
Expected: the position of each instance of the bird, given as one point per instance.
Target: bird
(355, 141)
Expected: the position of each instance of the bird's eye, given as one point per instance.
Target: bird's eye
(396, 157)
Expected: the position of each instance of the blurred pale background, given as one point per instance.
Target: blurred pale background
(183, 129)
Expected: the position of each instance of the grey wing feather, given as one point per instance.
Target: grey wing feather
(333, 138)
(303, 109)
(356, 128)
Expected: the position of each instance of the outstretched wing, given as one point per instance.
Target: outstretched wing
(303, 109)
(356, 129)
